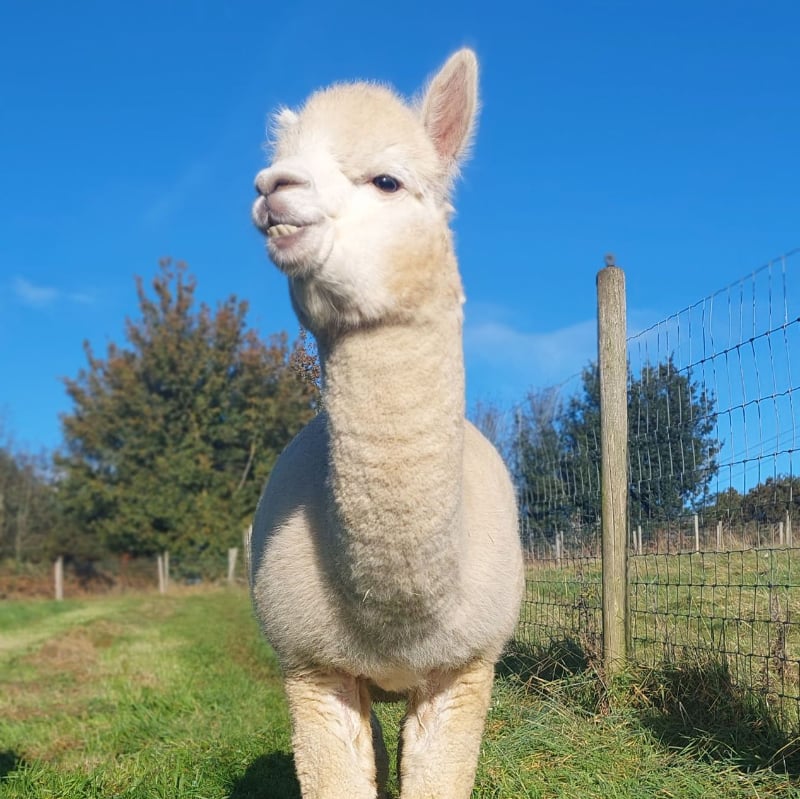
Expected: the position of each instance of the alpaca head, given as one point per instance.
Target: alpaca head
(356, 201)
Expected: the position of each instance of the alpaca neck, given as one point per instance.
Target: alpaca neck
(394, 396)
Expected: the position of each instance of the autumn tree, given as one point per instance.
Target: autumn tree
(173, 436)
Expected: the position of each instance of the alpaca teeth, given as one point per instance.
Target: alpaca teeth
(275, 231)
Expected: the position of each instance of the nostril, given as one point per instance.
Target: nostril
(285, 183)
(272, 180)
(288, 181)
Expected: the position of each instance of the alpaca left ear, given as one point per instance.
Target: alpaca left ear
(450, 107)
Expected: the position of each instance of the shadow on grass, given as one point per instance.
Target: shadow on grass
(562, 670)
(268, 777)
(536, 665)
(9, 761)
(692, 706)
(699, 708)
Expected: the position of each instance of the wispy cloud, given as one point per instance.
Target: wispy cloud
(38, 296)
(535, 358)
(34, 296)
(504, 360)
(176, 196)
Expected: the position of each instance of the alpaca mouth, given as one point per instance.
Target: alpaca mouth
(272, 226)
(283, 229)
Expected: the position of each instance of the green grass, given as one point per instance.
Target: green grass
(177, 696)
(741, 608)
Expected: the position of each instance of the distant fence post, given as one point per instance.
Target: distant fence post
(58, 577)
(246, 536)
(612, 364)
(233, 553)
(789, 529)
(162, 582)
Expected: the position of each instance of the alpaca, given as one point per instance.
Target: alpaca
(386, 558)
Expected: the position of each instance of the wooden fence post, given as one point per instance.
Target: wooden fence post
(719, 536)
(162, 586)
(58, 577)
(696, 533)
(612, 364)
(788, 529)
(246, 537)
(233, 553)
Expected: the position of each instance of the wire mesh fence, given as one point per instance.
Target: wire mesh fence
(719, 578)
(739, 607)
(713, 500)
(559, 498)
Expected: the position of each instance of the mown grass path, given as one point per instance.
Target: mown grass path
(178, 697)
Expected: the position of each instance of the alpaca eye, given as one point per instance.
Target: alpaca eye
(386, 183)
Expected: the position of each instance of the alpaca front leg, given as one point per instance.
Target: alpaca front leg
(442, 731)
(333, 736)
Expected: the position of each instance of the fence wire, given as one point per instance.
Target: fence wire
(714, 500)
(719, 579)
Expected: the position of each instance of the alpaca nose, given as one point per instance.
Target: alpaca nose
(279, 177)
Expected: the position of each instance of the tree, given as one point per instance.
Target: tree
(672, 451)
(671, 424)
(726, 506)
(768, 502)
(28, 514)
(172, 438)
(493, 422)
(547, 504)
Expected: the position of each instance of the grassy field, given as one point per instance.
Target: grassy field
(177, 697)
(741, 608)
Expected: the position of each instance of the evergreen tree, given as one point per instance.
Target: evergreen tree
(672, 449)
(671, 446)
(172, 438)
(768, 502)
(546, 498)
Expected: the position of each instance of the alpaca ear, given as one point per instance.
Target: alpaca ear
(450, 106)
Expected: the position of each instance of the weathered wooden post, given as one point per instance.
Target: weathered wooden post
(233, 553)
(613, 371)
(58, 577)
(246, 537)
(719, 536)
(696, 533)
(162, 583)
(788, 527)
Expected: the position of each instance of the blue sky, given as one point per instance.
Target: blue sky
(666, 133)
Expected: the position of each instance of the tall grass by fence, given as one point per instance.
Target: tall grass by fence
(712, 499)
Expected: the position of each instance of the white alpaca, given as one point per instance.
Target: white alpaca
(385, 551)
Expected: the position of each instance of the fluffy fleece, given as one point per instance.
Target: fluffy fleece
(385, 552)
